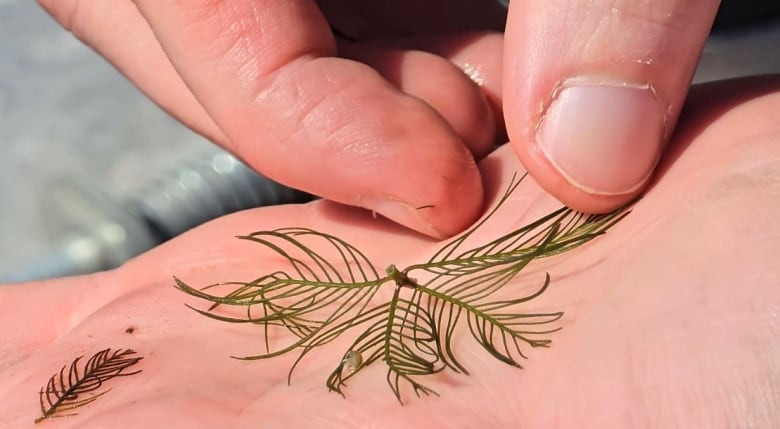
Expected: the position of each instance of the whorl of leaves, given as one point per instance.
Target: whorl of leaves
(316, 299)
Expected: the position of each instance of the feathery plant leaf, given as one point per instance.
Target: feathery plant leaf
(318, 299)
(80, 385)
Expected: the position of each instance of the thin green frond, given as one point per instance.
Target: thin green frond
(316, 295)
(329, 289)
(81, 385)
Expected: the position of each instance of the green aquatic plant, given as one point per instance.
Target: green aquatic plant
(81, 385)
(318, 299)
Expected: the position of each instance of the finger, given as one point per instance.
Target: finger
(594, 88)
(325, 125)
(440, 84)
(120, 34)
(476, 53)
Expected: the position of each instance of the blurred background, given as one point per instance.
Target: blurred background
(92, 173)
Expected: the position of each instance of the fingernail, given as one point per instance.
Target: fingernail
(605, 139)
(400, 212)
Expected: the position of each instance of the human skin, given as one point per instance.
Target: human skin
(588, 90)
(671, 318)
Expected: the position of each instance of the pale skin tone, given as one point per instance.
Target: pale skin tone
(391, 122)
(671, 318)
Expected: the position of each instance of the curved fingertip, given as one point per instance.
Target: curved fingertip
(439, 83)
(590, 115)
(478, 55)
(597, 143)
(402, 213)
(437, 205)
(601, 139)
(553, 182)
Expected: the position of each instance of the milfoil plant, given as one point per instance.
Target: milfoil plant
(318, 299)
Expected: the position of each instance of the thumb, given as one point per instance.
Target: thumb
(593, 89)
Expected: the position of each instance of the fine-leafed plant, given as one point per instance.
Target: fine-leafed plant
(318, 299)
(81, 385)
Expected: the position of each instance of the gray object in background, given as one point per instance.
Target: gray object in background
(105, 230)
(91, 172)
(65, 113)
(205, 187)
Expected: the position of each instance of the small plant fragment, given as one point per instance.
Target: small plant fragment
(352, 361)
(81, 385)
(317, 300)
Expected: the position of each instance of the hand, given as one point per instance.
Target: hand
(592, 91)
(670, 318)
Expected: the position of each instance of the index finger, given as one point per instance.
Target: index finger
(265, 71)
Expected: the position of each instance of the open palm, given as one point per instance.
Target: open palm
(670, 318)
